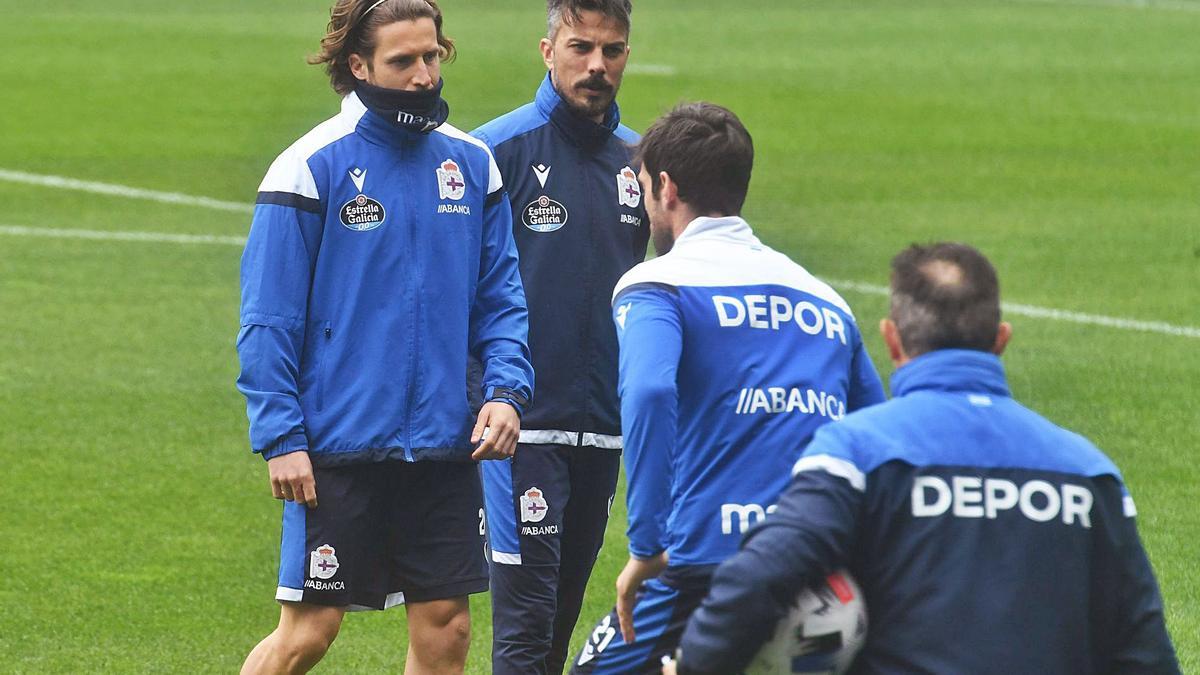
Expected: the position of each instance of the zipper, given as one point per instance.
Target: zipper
(328, 332)
(413, 288)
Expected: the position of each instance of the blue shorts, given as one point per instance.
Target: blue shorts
(384, 534)
(660, 614)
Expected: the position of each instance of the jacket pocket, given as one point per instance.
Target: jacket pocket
(320, 334)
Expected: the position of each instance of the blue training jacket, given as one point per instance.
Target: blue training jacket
(579, 224)
(986, 540)
(378, 259)
(732, 356)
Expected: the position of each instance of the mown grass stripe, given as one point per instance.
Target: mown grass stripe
(114, 190)
(1014, 308)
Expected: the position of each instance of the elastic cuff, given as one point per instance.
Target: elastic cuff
(504, 399)
(643, 557)
(294, 442)
(509, 396)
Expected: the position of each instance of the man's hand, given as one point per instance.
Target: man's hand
(498, 427)
(631, 578)
(292, 478)
(668, 666)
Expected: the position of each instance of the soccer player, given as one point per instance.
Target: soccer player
(379, 257)
(731, 356)
(579, 224)
(986, 539)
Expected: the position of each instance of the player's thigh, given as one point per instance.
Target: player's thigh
(307, 624)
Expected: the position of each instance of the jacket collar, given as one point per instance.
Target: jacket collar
(580, 130)
(374, 127)
(951, 370)
(727, 230)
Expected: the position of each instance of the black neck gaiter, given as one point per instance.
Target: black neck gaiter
(421, 111)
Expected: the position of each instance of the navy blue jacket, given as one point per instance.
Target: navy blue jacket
(579, 224)
(378, 258)
(986, 540)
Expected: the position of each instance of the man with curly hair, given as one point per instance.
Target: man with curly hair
(381, 256)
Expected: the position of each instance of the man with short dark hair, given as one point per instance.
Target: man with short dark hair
(379, 257)
(579, 225)
(986, 539)
(731, 357)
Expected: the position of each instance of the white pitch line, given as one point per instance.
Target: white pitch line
(1173, 5)
(105, 235)
(871, 289)
(64, 183)
(1068, 316)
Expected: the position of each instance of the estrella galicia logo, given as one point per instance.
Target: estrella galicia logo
(544, 215)
(362, 213)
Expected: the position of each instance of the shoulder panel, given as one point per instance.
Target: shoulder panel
(723, 265)
(290, 173)
(495, 182)
(510, 125)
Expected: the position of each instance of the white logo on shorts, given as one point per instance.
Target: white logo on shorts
(322, 563)
(533, 506)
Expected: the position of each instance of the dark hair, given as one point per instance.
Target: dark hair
(568, 11)
(944, 296)
(350, 32)
(706, 151)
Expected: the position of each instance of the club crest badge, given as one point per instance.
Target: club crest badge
(322, 563)
(629, 192)
(533, 506)
(362, 214)
(451, 183)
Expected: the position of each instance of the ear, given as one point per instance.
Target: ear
(891, 338)
(668, 192)
(547, 48)
(360, 68)
(1003, 335)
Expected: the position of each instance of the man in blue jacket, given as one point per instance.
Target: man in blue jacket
(380, 256)
(579, 225)
(986, 539)
(732, 355)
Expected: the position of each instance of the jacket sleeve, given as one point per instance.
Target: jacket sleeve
(866, 389)
(650, 334)
(275, 276)
(1142, 644)
(500, 318)
(806, 538)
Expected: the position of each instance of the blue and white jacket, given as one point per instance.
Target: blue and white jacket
(579, 224)
(378, 259)
(986, 540)
(732, 356)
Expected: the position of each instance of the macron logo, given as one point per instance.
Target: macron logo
(622, 312)
(358, 176)
(542, 172)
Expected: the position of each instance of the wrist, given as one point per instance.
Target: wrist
(509, 396)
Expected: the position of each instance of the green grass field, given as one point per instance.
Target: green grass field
(138, 533)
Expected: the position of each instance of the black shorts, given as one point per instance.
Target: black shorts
(384, 534)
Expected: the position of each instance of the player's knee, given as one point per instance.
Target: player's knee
(444, 634)
(457, 629)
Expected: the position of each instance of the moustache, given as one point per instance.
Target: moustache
(595, 83)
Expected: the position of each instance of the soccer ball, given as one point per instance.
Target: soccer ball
(820, 635)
